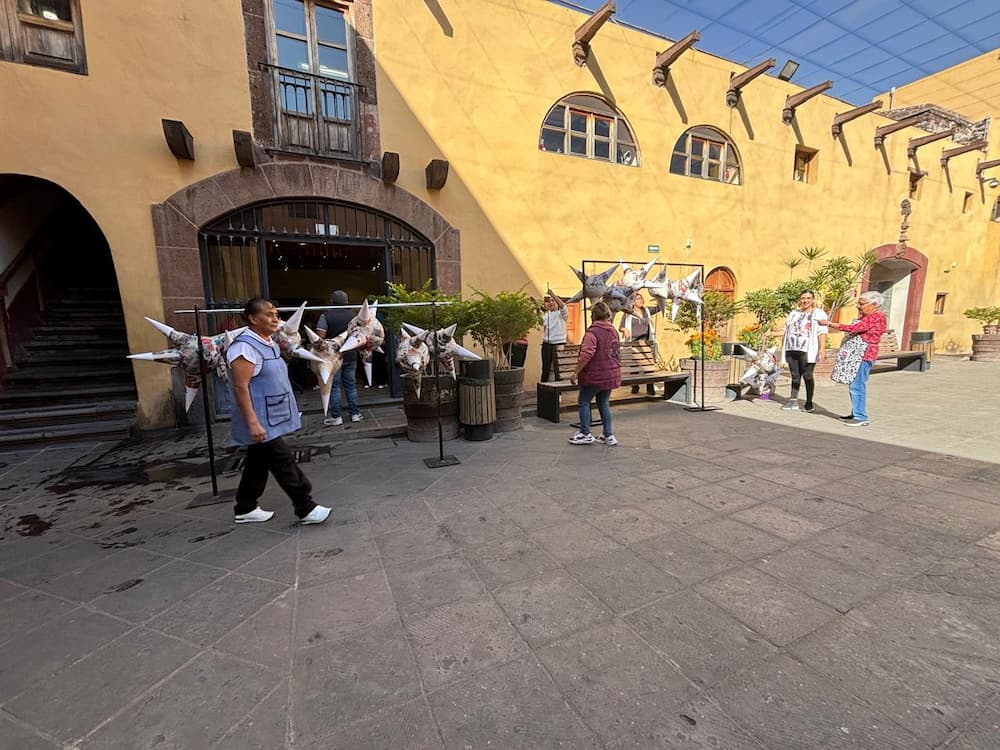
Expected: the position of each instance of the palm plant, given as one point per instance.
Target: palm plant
(812, 254)
(792, 264)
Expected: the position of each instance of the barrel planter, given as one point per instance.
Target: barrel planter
(923, 341)
(422, 411)
(824, 367)
(716, 378)
(509, 385)
(477, 409)
(986, 347)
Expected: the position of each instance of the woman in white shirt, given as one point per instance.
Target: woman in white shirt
(804, 344)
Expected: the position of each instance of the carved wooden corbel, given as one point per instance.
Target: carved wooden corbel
(883, 130)
(390, 167)
(179, 139)
(738, 82)
(951, 152)
(588, 30)
(852, 114)
(666, 58)
(984, 165)
(793, 101)
(436, 174)
(915, 143)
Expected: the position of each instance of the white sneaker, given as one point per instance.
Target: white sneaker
(582, 439)
(257, 515)
(356, 417)
(316, 515)
(333, 421)
(607, 439)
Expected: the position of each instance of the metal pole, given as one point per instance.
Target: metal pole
(204, 399)
(437, 382)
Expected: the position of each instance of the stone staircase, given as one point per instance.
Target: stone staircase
(72, 382)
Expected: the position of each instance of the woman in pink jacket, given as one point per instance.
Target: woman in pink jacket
(870, 326)
(598, 371)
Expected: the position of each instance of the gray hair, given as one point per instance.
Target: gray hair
(339, 297)
(876, 298)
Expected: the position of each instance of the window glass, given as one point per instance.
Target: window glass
(578, 122)
(602, 149)
(332, 62)
(293, 53)
(578, 145)
(553, 141)
(602, 127)
(290, 16)
(714, 150)
(713, 170)
(557, 117)
(678, 164)
(51, 10)
(331, 26)
(586, 125)
(696, 166)
(706, 152)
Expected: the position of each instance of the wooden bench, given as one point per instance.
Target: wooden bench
(913, 360)
(638, 368)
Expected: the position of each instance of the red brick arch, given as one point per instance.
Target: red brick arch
(915, 294)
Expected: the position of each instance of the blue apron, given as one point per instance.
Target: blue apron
(271, 396)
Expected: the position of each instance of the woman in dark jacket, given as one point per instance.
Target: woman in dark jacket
(599, 370)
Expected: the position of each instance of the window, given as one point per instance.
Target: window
(916, 184)
(967, 203)
(805, 164)
(43, 32)
(707, 153)
(586, 125)
(939, 299)
(996, 210)
(311, 37)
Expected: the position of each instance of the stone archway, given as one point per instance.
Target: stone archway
(916, 261)
(177, 221)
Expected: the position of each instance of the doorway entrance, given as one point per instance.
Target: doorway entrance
(892, 279)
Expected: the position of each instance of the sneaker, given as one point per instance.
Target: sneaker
(808, 407)
(356, 417)
(790, 406)
(607, 439)
(582, 438)
(333, 421)
(848, 418)
(316, 515)
(257, 515)
(858, 423)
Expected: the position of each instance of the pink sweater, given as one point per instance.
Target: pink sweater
(600, 357)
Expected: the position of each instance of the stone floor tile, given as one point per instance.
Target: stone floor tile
(9, 590)
(341, 608)
(702, 725)
(59, 561)
(727, 496)
(960, 517)
(677, 511)
(413, 544)
(779, 613)
(430, 583)
(266, 637)
(738, 539)
(576, 540)
(458, 639)
(779, 522)
(535, 511)
(280, 563)
(510, 559)
(27, 611)
(15, 736)
(339, 552)
(897, 533)
(233, 550)
(821, 510)
(982, 732)
(623, 580)
(472, 528)
(201, 714)
(16, 550)
(865, 555)
(264, 728)
(974, 574)
(549, 607)
(398, 514)
(407, 727)
(702, 640)
(628, 524)
(685, 557)
(77, 699)
(797, 478)
(787, 707)
(618, 685)
(446, 501)
(140, 598)
(828, 581)
(106, 575)
(514, 706)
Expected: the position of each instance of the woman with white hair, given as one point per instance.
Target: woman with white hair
(869, 327)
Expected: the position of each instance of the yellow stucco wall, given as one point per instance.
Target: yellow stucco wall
(99, 136)
(471, 80)
(971, 87)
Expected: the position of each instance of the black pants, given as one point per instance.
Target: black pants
(274, 456)
(650, 389)
(550, 361)
(801, 369)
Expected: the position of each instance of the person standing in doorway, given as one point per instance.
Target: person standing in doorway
(599, 371)
(332, 323)
(266, 411)
(553, 334)
(636, 327)
(804, 345)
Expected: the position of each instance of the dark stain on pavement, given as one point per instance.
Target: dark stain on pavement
(124, 586)
(32, 525)
(326, 553)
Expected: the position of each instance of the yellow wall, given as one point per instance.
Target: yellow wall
(99, 136)
(971, 87)
(472, 83)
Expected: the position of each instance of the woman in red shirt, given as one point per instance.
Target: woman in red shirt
(870, 326)
(599, 370)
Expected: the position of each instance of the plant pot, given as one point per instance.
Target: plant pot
(509, 385)
(991, 329)
(824, 367)
(422, 411)
(716, 378)
(986, 347)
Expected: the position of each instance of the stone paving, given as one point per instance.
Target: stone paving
(715, 581)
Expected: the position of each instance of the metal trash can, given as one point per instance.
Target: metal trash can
(923, 341)
(477, 408)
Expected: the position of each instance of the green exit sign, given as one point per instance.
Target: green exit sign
(653, 248)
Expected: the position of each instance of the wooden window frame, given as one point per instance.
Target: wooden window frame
(311, 37)
(939, 302)
(808, 173)
(707, 137)
(14, 27)
(967, 203)
(619, 139)
(916, 186)
(995, 215)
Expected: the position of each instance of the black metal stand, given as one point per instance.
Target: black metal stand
(441, 460)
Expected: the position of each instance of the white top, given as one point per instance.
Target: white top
(245, 350)
(554, 326)
(802, 332)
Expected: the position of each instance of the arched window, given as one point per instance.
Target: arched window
(708, 153)
(587, 125)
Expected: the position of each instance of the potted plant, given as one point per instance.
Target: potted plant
(717, 310)
(985, 347)
(495, 322)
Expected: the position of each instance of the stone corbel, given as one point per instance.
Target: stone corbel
(179, 139)
(852, 114)
(666, 58)
(738, 82)
(436, 174)
(390, 167)
(248, 154)
(588, 30)
(883, 130)
(915, 143)
(794, 101)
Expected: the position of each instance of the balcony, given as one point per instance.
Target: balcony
(315, 115)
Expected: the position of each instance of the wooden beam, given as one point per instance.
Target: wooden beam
(588, 30)
(977, 146)
(736, 83)
(793, 101)
(915, 143)
(436, 174)
(390, 167)
(852, 114)
(883, 130)
(179, 139)
(666, 58)
(984, 165)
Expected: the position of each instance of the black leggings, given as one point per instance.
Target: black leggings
(801, 369)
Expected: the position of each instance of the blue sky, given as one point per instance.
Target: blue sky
(863, 46)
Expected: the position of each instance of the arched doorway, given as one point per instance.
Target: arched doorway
(722, 279)
(899, 274)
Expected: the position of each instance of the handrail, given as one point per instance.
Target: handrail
(12, 267)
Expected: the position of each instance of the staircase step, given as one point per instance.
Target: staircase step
(90, 431)
(79, 327)
(80, 340)
(44, 416)
(72, 356)
(71, 394)
(61, 374)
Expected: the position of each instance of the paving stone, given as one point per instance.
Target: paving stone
(623, 580)
(233, 550)
(729, 496)
(982, 732)
(702, 725)
(28, 611)
(58, 561)
(961, 517)
(339, 552)
(429, 583)
(779, 613)
(628, 524)
(107, 574)
(407, 727)
(455, 640)
(822, 510)
(510, 559)
(685, 557)
(140, 598)
(336, 685)
(778, 522)
(826, 580)
(703, 641)
(787, 707)
(80, 697)
(341, 608)
(535, 511)
(16, 550)
(472, 528)
(908, 537)
(447, 501)
(618, 684)
(677, 511)
(866, 555)
(549, 607)
(14, 736)
(9, 590)
(738, 539)
(576, 540)
(264, 638)
(400, 514)
(514, 706)
(280, 563)
(413, 544)
(206, 696)
(265, 728)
